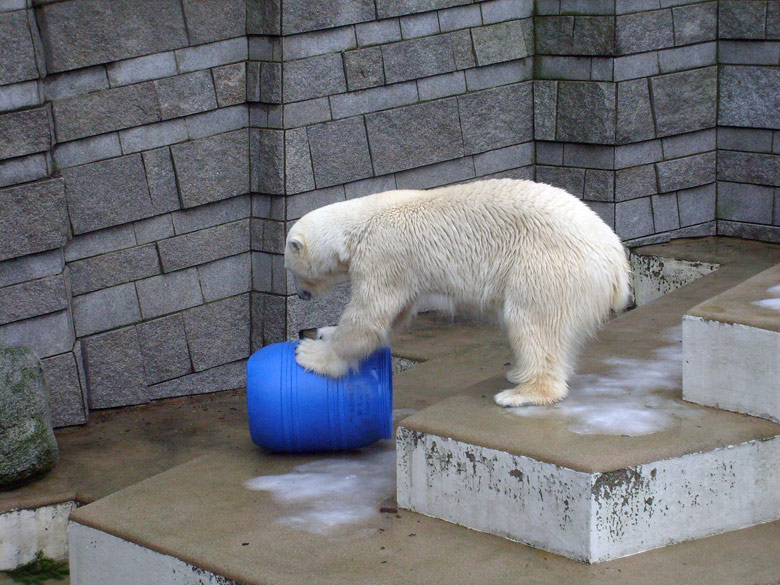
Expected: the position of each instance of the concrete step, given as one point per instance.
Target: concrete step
(244, 516)
(623, 465)
(731, 347)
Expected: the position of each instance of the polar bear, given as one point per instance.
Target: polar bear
(531, 254)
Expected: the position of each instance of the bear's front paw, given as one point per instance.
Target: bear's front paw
(316, 355)
(325, 333)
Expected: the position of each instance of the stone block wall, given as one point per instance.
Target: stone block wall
(125, 197)
(625, 101)
(151, 161)
(749, 119)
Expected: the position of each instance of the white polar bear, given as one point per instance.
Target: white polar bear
(532, 254)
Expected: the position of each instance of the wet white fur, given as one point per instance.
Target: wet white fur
(533, 255)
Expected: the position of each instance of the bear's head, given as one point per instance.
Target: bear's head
(316, 255)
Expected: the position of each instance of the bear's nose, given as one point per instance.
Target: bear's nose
(304, 294)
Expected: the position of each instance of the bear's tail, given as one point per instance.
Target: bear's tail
(621, 285)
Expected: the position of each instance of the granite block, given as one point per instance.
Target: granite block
(62, 378)
(635, 182)
(100, 242)
(24, 169)
(299, 176)
(186, 94)
(84, 32)
(31, 267)
(212, 214)
(419, 25)
(364, 68)
(644, 31)
(418, 58)
(114, 369)
(140, 69)
(161, 180)
(302, 15)
(313, 77)
(749, 96)
(164, 348)
(372, 100)
(105, 111)
(339, 152)
(114, 268)
(214, 20)
(586, 112)
(685, 101)
(742, 19)
(33, 218)
(665, 214)
(569, 179)
(24, 132)
(695, 23)
(32, 298)
(87, 185)
(748, 167)
(226, 277)
(696, 205)
(213, 168)
(496, 118)
(634, 112)
(47, 335)
(204, 246)
(634, 218)
(17, 53)
(87, 150)
(437, 136)
(436, 175)
(686, 172)
(105, 309)
(169, 293)
(318, 42)
(266, 151)
(743, 202)
(230, 84)
(218, 332)
(500, 42)
(599, 185)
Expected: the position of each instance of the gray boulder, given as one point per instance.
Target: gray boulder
(28, 448)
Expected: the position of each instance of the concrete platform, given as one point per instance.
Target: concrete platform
(200, 523)
(621, 466)
(206, 508)
(732, 348)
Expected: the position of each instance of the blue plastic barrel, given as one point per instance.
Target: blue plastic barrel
(292, 410)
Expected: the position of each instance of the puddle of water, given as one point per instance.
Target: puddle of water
(324, 496)
(625, 400)
(773, 303)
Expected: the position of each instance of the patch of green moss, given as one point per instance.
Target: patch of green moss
(39, 570)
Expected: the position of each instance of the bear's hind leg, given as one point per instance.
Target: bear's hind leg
(542, 361)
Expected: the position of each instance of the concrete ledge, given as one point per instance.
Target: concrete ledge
(590, 517)
(731, 348)
(24, 532)
(99, 558)
(655, 276)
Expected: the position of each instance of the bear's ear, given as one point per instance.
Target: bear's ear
(295, 244)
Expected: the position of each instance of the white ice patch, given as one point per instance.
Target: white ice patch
(322, 496)
(624, 401)
(774, 303)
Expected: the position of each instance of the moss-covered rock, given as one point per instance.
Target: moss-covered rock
(28, 448)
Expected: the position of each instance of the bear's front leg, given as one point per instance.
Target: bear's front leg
(317, 355)
(364, 326)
